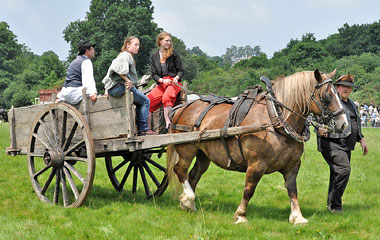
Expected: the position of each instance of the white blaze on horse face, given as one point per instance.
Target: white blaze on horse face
(340, 105)
(188, 190)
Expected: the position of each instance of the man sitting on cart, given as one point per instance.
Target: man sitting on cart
(80, 74)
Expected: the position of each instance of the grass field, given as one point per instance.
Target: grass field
(108, 214)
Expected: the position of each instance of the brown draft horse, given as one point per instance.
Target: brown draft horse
(264, 152)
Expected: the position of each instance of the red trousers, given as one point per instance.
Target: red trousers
(163, 94)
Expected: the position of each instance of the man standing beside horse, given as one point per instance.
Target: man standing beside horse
(336, 148)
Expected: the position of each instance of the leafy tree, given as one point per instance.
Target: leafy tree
(206, 63)
(190, 67)
(10, 50)
(197, 51)
(254, 62)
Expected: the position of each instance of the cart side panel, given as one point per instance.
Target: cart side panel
(108, 117)
(23, 120)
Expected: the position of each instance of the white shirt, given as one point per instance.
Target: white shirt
(73, 95)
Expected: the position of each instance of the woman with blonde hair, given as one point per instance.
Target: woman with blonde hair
(167, 71)
(122, 75)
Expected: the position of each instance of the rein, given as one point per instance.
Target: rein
(322, 105)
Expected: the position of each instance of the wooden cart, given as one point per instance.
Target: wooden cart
(62, 141)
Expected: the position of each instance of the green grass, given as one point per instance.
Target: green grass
(108, 214)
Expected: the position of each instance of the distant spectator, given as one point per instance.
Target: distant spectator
(363, 116)
(373, 117)
(370, 110)
(377, 119)
(365, 105)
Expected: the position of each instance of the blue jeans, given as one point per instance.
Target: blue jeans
(140, 100)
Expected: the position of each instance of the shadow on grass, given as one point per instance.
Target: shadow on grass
(101, 197)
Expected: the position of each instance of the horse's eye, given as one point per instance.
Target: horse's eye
(326, 98)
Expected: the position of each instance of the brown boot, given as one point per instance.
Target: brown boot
(167, 110)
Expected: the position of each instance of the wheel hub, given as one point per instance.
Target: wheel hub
(54, 158)
(137, 158)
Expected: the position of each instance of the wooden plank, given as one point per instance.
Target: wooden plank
(152, 141)
(109, 118)
(102, 103)
(130, 119)
(85, 101)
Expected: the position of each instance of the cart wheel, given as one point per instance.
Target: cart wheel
(61, 151)
(120, 167)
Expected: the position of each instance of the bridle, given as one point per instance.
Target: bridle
(322, 102)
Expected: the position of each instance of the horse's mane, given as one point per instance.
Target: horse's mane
(294, 91)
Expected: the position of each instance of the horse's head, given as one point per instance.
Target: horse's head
(325, 102)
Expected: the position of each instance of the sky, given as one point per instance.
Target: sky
(213, 25)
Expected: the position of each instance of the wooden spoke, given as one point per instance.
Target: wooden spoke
(46, 185)
(35, 176)
(125, 177)
(64, 125)
(47, 146)
(75, 172)
(143, 178)
(46, 131)
(70, 138)
(119, 166)
(64, 189)
(54, 125)
(149, 171)
(80, 159)
(71, 182)
(155, 164)
(75, 147)
(56, 189)
(41, 155)
(135, 172)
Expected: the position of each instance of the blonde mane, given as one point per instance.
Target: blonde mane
(294, 91)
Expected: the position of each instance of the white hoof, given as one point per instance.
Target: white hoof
(297, 220)
(241, 219)
(186, 203)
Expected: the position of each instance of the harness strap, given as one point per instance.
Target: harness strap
(244, 103)
(280, 124)
(223, 140)
(205, 111)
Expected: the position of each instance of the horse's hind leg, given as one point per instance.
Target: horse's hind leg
(291, 185)
(201, 165)
(253, 176)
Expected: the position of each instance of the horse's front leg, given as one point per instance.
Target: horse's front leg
(187, 198)
(291, 185)
(253, 176)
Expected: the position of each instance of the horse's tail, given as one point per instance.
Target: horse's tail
(172, 158)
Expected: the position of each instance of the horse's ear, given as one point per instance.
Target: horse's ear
(332, 74)
(317, 75)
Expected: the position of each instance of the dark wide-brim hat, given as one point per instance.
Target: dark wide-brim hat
(83, 45)
(346, 80)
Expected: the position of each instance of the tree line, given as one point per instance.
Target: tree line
(354, 50)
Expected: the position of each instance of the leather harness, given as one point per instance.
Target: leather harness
(237, 114)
